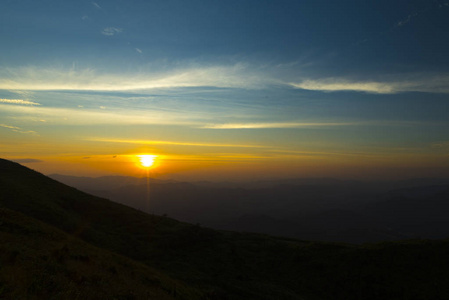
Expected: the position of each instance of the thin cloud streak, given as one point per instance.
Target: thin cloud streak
(406, 20)
(287, 125)
(81, 116)
(35, 78)
(9, 126)
(273, 125)
(296, 153)
(96, 5)
(337, 85)
(18, 101)
(18, 129)
(193, 144)
(238, 75)
(120, 116)
(418, 83)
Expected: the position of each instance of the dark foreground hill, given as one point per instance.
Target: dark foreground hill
(38, 261)
(60, 243)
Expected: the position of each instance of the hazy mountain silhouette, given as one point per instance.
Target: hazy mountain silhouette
(315, 209)
(72, 243)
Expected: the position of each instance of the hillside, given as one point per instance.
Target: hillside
(38, 261)
(185, 261)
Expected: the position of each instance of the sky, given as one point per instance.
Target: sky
(222, 90)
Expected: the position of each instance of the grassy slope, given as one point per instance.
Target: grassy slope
(227, 265)
(38, 261)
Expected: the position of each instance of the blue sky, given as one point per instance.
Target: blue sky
(247, 84)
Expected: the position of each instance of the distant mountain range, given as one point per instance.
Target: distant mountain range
(60, 243)
(322, 209)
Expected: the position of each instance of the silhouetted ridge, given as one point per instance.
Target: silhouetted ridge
(94, 219)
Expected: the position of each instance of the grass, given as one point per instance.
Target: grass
(38, 261)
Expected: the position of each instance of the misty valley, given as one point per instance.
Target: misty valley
(312, 209)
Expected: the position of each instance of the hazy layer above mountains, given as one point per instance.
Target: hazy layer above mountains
(315, 209)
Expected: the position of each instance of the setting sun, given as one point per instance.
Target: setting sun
(147, 160)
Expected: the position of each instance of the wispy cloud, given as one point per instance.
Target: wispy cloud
(36, 78)
(430, 6)
(96, 5)
(406, 20)
(192, 144)
(18, 101)
(110, 31)
(238, 75)
(273, 125)
(77, 116)
(431, 83)
(9, 126)
(18, 129)
(138, 50)
(332, 85)
(286, 125)
(299, 153)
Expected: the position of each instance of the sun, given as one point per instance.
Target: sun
(147, 160)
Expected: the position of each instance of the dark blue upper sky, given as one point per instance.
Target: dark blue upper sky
(337, 36)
